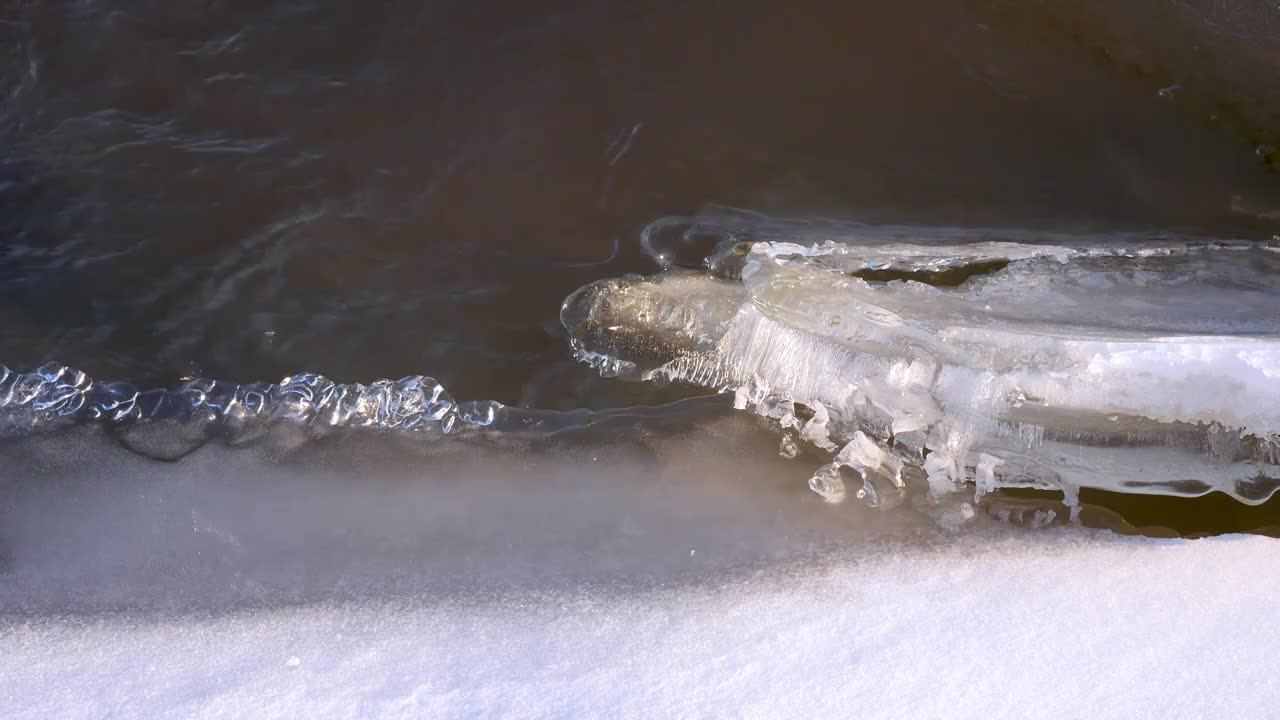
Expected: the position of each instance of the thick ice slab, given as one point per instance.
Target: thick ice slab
(1123, 364)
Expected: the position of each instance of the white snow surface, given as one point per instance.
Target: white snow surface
(1063, 623)
(687, 573)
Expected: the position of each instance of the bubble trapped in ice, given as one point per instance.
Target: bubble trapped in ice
(1123, 363)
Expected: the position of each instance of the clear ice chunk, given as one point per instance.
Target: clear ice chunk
(826, 481)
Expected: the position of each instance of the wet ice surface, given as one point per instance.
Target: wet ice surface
(1123, 363)
(665, 566)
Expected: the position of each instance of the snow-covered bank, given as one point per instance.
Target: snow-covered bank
(643, 569)
(1063, 623)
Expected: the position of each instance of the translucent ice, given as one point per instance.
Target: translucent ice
(1124, 363)
(171, 422)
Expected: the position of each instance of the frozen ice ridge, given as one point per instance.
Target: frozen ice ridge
(944, 359)
(54, 395)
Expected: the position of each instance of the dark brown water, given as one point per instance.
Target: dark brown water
(246, 190)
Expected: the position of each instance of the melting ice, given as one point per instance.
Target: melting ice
(941, 360)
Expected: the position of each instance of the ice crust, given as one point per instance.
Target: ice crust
(172, 422)
(1126, 364)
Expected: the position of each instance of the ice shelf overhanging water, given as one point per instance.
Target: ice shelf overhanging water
(944, 361)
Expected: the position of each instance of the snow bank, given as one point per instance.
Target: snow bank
(1065, 623)
(672, 566)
